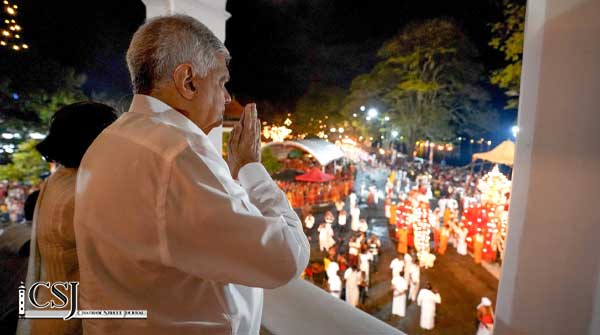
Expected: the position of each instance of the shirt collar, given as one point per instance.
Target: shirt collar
(154, 107)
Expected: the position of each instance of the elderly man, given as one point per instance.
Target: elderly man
(161, 222)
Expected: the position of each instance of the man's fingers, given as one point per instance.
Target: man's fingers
(258, 130)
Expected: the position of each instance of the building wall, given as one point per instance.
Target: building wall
(550, 280)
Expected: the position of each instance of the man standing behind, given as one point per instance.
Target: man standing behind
(160, 222)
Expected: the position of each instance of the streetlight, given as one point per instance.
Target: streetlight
(395, 133)
(372, 112)
(515, 130)
(362, 108)
(387, 118)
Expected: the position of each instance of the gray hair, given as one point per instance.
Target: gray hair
(163, 43)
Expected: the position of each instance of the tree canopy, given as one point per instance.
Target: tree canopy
(428, 82)
(318, 110)
(508, 39)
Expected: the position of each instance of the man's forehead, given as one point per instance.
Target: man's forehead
(223, 67)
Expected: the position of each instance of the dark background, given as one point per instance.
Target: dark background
(279, 47)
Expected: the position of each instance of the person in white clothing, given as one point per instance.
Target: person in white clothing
(399, 289)
(342, 218)
(427, 299)
(333, 279)
(364, 262)
(309, 221)
(352, 200)
(157, 209)
(462, 233)
(415, 280)
(397, 265)
(352, 277)
(407, 267)
(355, 214)
(353, 250)
(485, 317)
(326, 240)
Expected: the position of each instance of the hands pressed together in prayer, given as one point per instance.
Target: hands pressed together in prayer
(244, 141)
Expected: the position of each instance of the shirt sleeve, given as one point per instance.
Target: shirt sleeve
(210, 231)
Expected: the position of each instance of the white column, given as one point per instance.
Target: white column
(550, 282)
(211, 13)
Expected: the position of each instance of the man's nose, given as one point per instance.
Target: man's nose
(227, 98)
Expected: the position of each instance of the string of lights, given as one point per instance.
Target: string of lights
(10, 33)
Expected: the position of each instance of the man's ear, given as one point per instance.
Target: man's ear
(184, 80)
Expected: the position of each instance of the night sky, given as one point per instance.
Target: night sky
(279, 47)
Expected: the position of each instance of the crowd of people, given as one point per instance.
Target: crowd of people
(12, 200)
(302, 194)
(352, 250)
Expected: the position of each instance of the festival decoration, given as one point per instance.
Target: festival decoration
(10, 31)
(489, 217)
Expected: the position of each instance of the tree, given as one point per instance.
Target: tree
(508, 39)
(27, 164)
(30, 98)
(319, 109)
(428, 83)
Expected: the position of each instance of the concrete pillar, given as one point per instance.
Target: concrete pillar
(210, 12)
(550, 282)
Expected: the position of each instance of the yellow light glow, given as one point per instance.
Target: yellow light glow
(6, 21)
(5, 33)
(17, 36)
(2, 43)
(16, 47)
(25, 46)
(17, 27)
(10, 11)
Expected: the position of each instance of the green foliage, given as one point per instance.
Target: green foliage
(27, 164)
(270, 161)
(41, 94)
(322, 103)
(508, 39)
(428, 82)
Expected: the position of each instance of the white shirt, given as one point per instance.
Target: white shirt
(397, 265)
(161, 225)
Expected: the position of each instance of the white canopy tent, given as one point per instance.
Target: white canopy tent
(504, 153)
(324, 152)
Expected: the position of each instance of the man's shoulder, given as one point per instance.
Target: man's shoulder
(146, 133)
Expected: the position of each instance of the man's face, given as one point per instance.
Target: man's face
(209, 103)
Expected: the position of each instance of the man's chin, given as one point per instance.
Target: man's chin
(214, 125)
